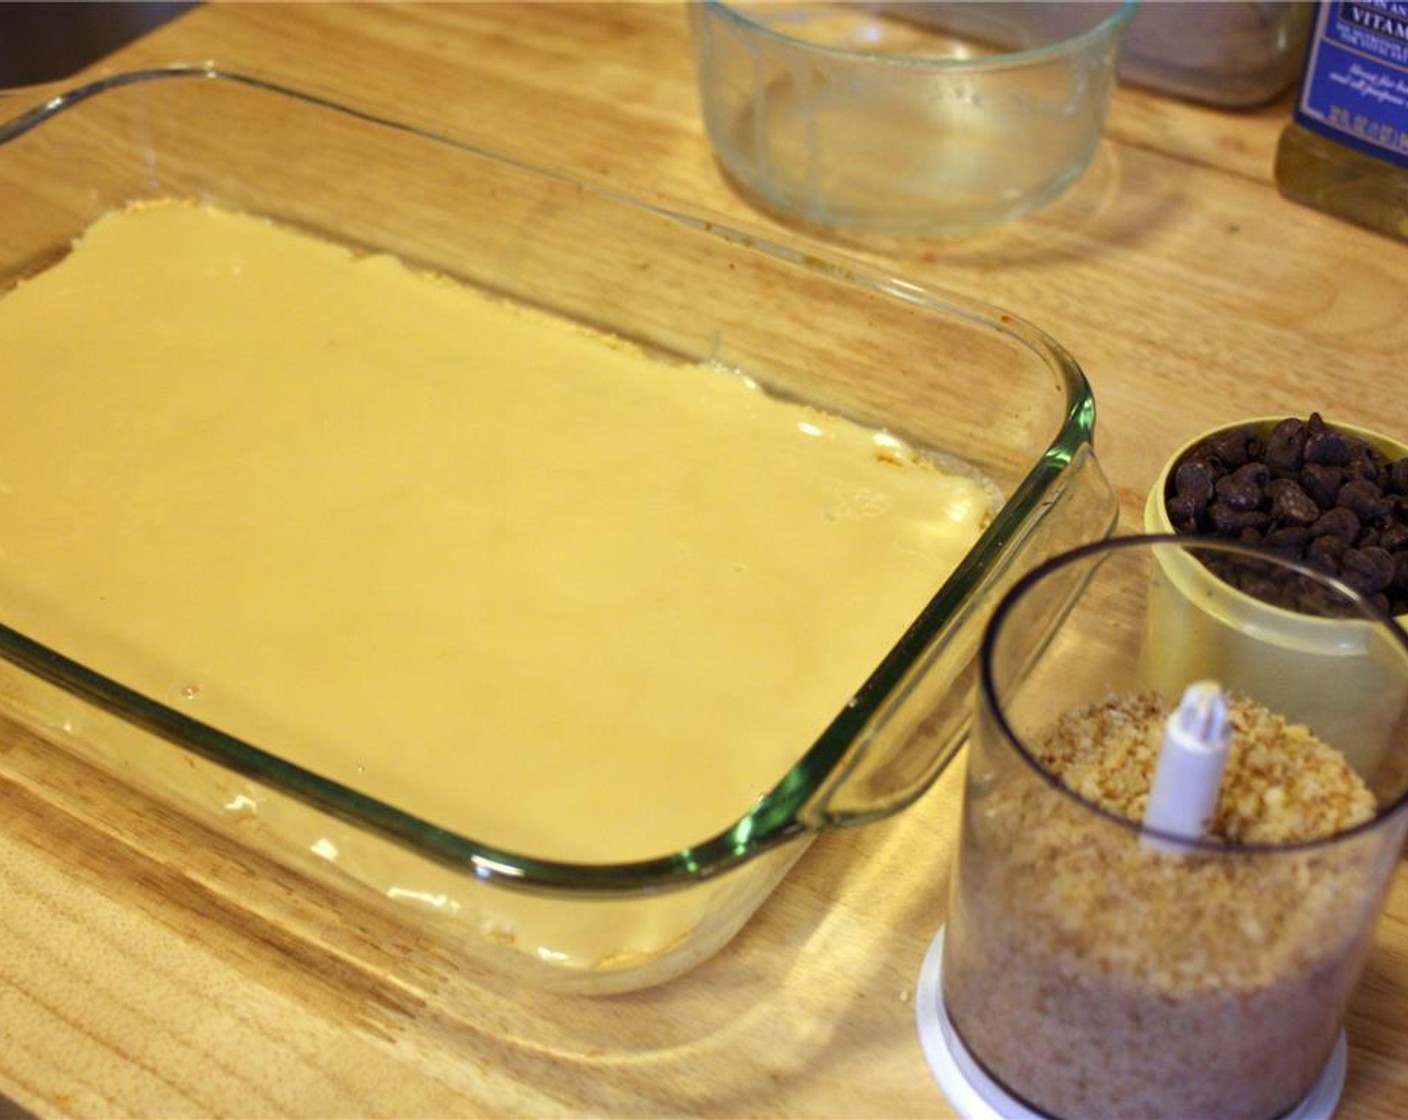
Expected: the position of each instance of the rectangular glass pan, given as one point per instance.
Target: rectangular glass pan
(950, 377)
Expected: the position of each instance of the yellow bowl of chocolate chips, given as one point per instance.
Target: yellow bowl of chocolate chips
(1329, 496)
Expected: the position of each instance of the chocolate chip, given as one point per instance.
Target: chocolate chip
(1359, 448)
(1194, 478)
(1244, 488)
(1229, 521)
(1310, 597)
(1234, 447)
(1363, 465)
(1290, 504)
(1260, 585)
(1289, 540)
(1325, 552)
(1284, 447)
(1398, 476)
(1327, 447)
(1340, 522)
(1394, 537)
(1367, 570)
(1322, 483)
(1183, 512)
(1365, 500)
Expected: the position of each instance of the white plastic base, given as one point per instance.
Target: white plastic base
(976, 1096)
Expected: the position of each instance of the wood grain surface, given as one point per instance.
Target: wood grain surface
(151, 967)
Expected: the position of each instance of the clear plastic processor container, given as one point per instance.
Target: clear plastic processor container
(1095, 964)
(905, 118)
(950, 377)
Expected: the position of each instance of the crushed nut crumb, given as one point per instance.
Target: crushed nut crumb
(1095, 976)
(1281, 783)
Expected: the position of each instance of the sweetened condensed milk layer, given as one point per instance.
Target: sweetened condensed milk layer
(521, 579)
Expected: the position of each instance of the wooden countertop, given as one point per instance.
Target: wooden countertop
(149, 967)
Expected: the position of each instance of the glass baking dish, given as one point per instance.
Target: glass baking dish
(950, 377)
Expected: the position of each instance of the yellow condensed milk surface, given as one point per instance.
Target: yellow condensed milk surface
(515, 577)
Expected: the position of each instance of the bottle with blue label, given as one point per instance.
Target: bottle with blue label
(1346, 152)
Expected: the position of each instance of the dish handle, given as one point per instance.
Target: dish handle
(915, 733)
